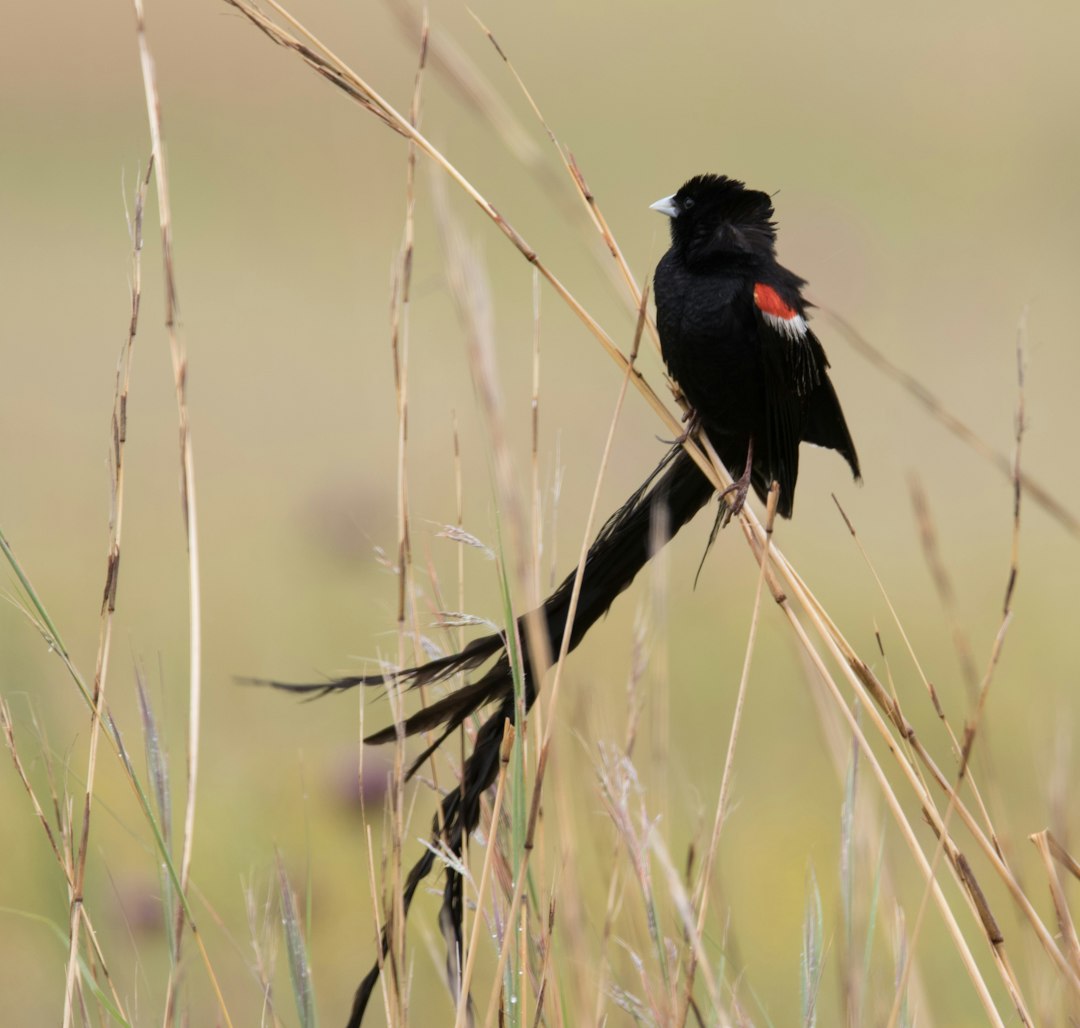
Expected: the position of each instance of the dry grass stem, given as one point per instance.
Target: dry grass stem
(954, 741)
(892, 801)
(323, 61)
(463, 986)
(859, 675)
(943, 585)
(261, 930)
(187, 477)
(1049, 851)
(971, 728)
(1041, 495)
(591, 206)
(696, 931)
(458, 69)
(61, 843)
(108, 603)
(545, 745)
(1062, 856)
(407, 594)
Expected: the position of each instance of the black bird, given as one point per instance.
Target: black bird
(733, 333)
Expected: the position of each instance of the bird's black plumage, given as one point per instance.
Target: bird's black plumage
(674, 493)
(734, 335)
(733, 332)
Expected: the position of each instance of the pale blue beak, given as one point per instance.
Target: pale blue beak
(666, 206)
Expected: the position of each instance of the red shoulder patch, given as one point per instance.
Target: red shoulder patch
(769, 302)
(777, 314)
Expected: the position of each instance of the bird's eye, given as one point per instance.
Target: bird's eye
(687, 203)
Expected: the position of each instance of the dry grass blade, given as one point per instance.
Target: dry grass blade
(863, 680)
(704, 884)
(1041, 495)
(108, 602)
(545, 745)
(463, 1002)
(906, 829)
(371, 100)
(407, 606)
(262, 931)
(858, 674)
(966, 876)
(471, 292)
(60, 839)
(399, 346)
(1049, 851)
(8, 726)
(36, 612)
(1063, 856)
(943, 585)
(619, 785)
(954, 741)
(582, 189)
(376, 906)
(40, 618)
(187, 478)
(538, 641)
(945, 845)
(453, 64)
(685, 910)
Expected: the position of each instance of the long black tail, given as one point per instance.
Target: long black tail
(674, 492)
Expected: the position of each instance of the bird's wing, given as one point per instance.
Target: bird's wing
(794, 365)
(803, 405)
(825, 424)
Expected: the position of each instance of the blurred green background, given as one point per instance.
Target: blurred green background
(927, 160)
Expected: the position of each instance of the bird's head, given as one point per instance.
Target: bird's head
(717, 220)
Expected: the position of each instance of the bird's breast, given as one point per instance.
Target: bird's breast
(708, 336)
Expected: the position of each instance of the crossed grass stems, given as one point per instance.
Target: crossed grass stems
(525, 928)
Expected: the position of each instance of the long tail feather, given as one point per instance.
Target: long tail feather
(621, 549)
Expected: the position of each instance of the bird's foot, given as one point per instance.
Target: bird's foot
(734, 496)
(728, 508)
(692, 421)
(731, 508)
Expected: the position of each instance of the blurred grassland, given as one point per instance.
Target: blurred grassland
(926, 159)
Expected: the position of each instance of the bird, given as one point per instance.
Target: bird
(734, 335)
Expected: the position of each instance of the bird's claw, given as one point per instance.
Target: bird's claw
(740, 488)
(693, 420)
